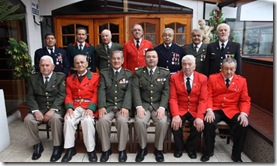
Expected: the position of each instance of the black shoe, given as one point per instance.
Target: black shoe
(236, 160)
(205, 158)
(141, 154)
(122, 156)
(158, 155)
(192, 154)
(92, 157)
(105, 155)
(38, 149)
(68, 155)
(178, 153)
(57, 153)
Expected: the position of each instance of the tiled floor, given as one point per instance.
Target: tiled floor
(19, 151)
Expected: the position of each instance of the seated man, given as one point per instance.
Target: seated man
(187, 102)
(80, 103)
(150, 92)
(45, 99)
(114, 101)
(229, 102)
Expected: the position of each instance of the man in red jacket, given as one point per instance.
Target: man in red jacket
(187, 102)
(134, 50)
(80, 104)
(228, 100)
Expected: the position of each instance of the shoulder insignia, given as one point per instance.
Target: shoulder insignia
(137, 68)
(164, 68)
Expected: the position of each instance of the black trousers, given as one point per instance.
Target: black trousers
(190, 143)
(238, 133)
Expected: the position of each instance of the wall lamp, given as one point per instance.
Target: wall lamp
(35, 21)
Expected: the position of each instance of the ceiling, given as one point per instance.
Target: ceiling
(230, 3)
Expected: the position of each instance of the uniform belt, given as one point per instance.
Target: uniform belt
(82, 100)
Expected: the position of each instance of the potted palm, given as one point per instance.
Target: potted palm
(21, 63)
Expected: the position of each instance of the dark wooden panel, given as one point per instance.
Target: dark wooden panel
(13, 89)
(260, 83)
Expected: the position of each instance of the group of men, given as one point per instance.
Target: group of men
(168, 84)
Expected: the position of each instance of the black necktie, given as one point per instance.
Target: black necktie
(107, 48)
(195, 48)
(188, 85)
(137, 45)
(222, 47)
(227, 82)
(51, 51)
(151, 73)
(46, 82)
(115, 74)
(80, 47)
(167, 47)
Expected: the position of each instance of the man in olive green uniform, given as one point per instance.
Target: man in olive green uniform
(197, 48)
(150, 91)
(45, 99)
(105, 49)
(114, 101)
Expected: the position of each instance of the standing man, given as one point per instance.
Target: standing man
(82, 47)
(198, 49)
(81, 104)
(58, 54)
(134, 50)
(45, 99)
(114, 101)
(170, 54)
(150, 91)
(104, 50)
(187, 102)
(221, 49)
(228, 100)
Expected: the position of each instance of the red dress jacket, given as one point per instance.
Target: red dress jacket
(134, 57)
(233, 100)
(180, 102)
(82, 94)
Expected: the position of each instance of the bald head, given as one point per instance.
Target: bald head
(106, 36)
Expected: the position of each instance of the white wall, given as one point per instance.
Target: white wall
(257, 11)
(197, 7)
(33, 30)
(46, 6)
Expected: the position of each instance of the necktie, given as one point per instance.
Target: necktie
(80, 47)
(227, 82)
(222, 47)
(107, 48)
(115, 74)
(46, 82)
(167, 47)
(195, 48)
(188, 85)
(151, 73)
(137, 45)
(51, 51)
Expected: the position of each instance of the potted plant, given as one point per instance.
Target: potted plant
(21, 63)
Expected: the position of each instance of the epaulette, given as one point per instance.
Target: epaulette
(163, 68)
(60, 73)
(127, 70)
(137, 68)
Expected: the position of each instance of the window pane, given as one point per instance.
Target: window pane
(172, 26)
(150, 28)
(115, 38)
(180, 39)
(69, 29)
(114, 28)
(68, 39)
(102, 27)
(151, 38)
(180, 28)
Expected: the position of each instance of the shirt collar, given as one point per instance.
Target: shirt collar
(167, 45)
(49, 49)
(198, 45)
(225, 43)
(190, 77)
(135, 41)
(226, 78)
(148, 69)
(114, 70)
(79, 75)
(49, 76)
